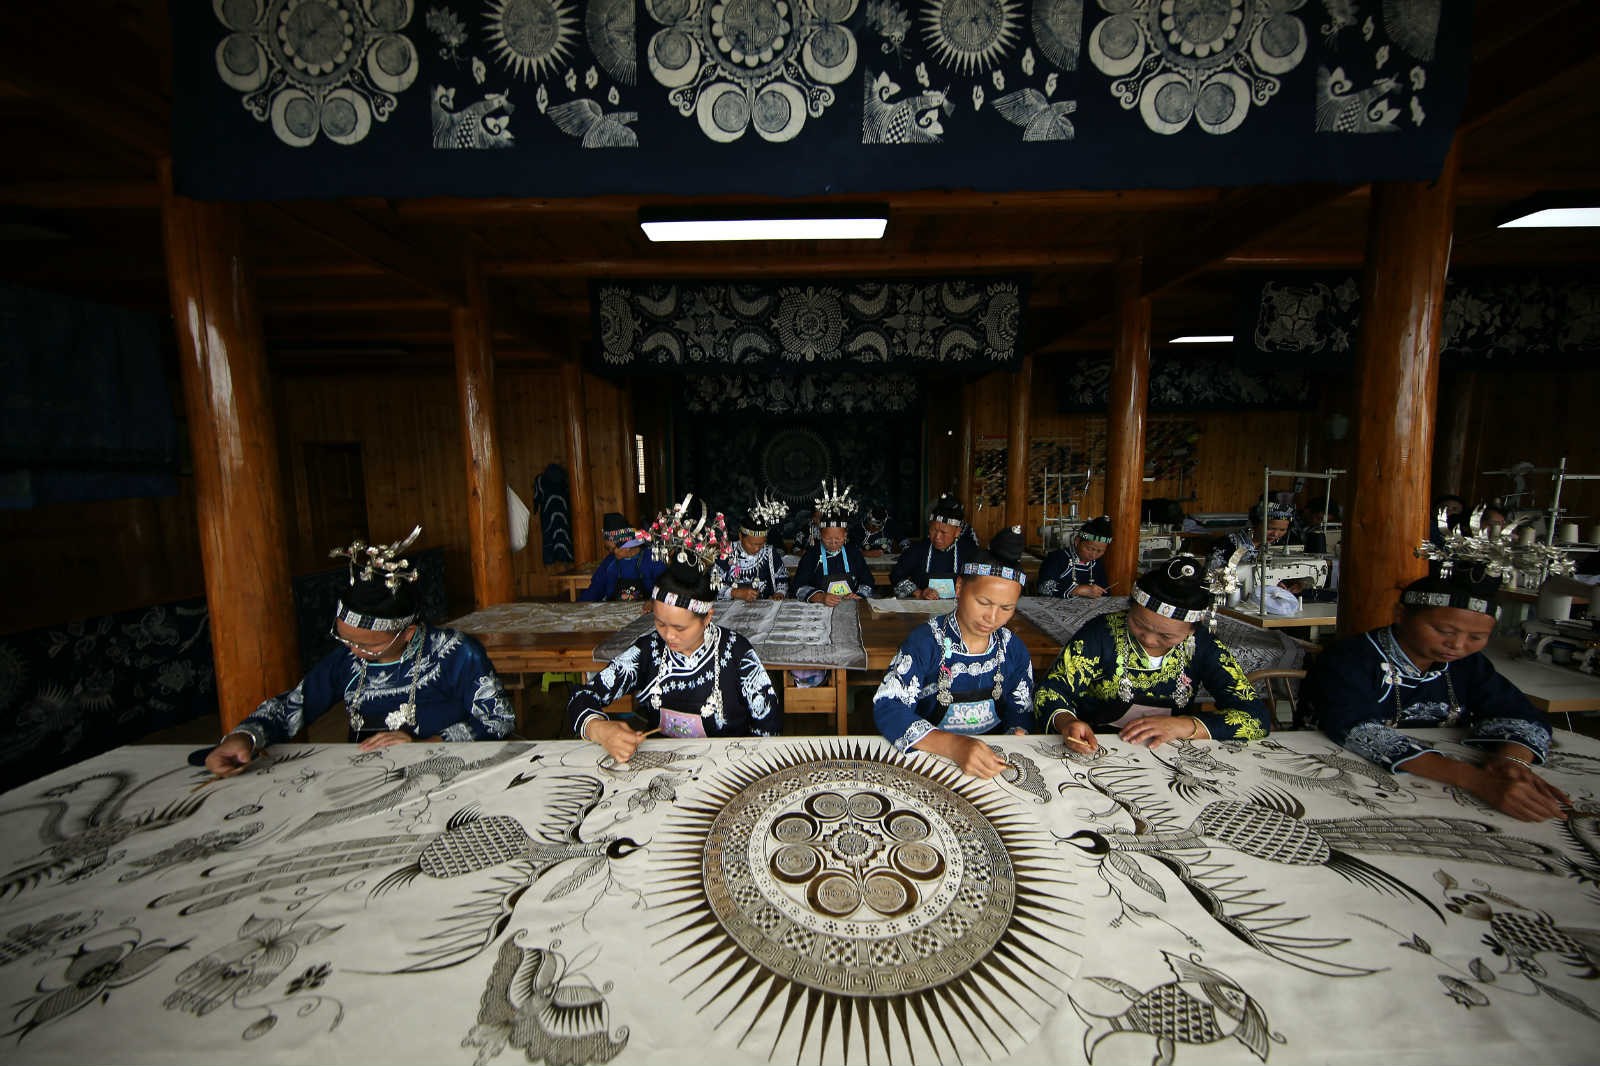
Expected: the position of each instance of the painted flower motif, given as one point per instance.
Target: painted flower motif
(94, 975)
(264, 949)
(1200, 60)
(1462, 992)
(810, 324)
(735, 65)
(314, 68)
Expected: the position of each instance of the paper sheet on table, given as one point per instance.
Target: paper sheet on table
(1138, 711)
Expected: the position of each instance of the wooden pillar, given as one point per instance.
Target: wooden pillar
(584, 521)
(1402, 301)
(1017, 437)
(1130, 394)
(632, 503)
(238, 485)
(1450, 472)
(966, 447)
(487, 524)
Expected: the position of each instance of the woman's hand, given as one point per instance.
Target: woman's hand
(1509, 786)
(827, 599)
(925, 594)
(743, 594)
(233, 754)
(618, 738)
(1156, 730)
(1078, 734)
(1089, 590)
(971, 754)
(386, 739)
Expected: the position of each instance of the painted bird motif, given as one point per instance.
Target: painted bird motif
(471, 842)
(441, 768)
(586, 119)
(912, 120)
(1341, 110)
(1202, 1006)
(81, 842)
(1040, 119)
(1269, 825)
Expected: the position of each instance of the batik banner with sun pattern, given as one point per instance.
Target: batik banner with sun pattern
(303, 98)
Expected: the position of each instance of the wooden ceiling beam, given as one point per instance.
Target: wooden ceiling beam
(917, 201)
(708, 266)
(78, 85)
(351, 305)
(353, 233)
(81, 195)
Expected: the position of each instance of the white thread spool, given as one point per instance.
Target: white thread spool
(1594, 535)
(1527, 535)
(1568, 533)
(1554, 607)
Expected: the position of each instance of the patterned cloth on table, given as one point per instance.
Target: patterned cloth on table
(907, 705)
(458, 695)
(764, 572)
(1063, 572)
(1363, 690)
(819, 570)
(722, 683)
(1103, 670)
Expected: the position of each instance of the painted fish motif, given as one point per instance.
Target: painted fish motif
(1203, 1006)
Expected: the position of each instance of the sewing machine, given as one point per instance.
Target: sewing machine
(1569, 643)
(1291, 565)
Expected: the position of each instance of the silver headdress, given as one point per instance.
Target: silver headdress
(838, 505)
(367, 561)
(689, 533)
(1222, 582)
(768, 511)
(369, 565)
(1497, 553)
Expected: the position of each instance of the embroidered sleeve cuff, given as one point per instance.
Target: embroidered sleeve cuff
(1535, 736)
(458, 732)
(805, 592)
(864, 591)
(909, 738)
(1383, 745)
(906, 589)
(1050, 723)
(1048, 588)
(247, 728)
(585, 718)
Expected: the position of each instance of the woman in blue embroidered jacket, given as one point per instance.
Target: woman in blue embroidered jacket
(399, 678)
(1137, 670)
(625, 574)
(964, 674)
(754, 568)
(927, 569)
(833, 570)
(1428, 669)
(689, 677)
(1079, 570)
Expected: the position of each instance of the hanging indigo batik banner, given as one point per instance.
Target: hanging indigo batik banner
(882, 325)
(1189, 384)
(278, 99)
(1490, 320)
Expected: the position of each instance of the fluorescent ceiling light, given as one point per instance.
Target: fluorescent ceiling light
(1556, 217)
(1201, 338)
(847, 222)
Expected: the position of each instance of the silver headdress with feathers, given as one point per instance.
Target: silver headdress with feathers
(769, 511)
(368, 561)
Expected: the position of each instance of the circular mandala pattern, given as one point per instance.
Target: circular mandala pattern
(855, 892)
(533, 38)
(313, 68)
(1201, 60)
(847, 874)
(970, 36)
(731, 63)
(794, 463)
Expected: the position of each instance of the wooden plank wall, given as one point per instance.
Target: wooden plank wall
(1231, 449)
(1536, 418)
(408, 427)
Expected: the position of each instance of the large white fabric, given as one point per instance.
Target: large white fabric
(786, 901)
